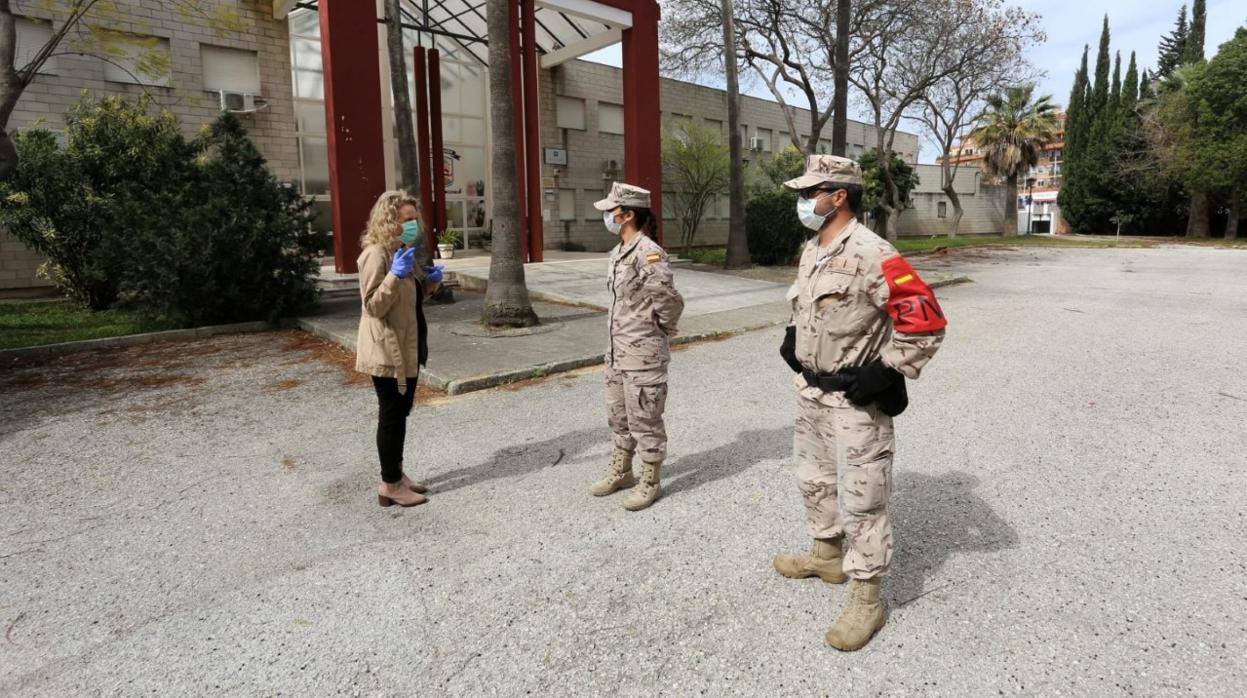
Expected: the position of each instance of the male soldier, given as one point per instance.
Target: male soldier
(645, 309)
(862, 322)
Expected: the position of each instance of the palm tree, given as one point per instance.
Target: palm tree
(506, 296)
(1014, 127)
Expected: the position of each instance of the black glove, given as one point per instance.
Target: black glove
(871, 382)
(788, 349)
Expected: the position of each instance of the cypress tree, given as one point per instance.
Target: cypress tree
(1130, 87)
(1076, 126)
(1114, 95)
(1172, 49)
(1099, 90)
(1076, 113)
(1096, 181)
(1145, 85)
(1194, 52)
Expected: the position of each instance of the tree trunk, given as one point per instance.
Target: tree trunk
(1011, 207)
(506, 296)
(840, 100)
(958, 212)
(1231, 225)
(408, 160)
(1198, 224)
(737, 241)
(10, 88)
(892, 206)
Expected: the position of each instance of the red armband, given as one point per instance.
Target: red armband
(911, 303)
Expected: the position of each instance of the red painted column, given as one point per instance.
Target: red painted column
(428, 217)
(642, 112)
(532, 136)
(439, 152)
(350, 54)
(517, 95)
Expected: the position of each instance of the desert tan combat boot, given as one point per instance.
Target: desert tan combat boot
(620, 476)
(647, 490)
(823, 561)
(861, 618)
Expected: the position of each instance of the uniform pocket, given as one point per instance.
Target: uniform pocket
(830, 288)
(863, 434)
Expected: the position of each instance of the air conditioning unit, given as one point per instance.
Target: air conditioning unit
(755, 144)
(241, 103)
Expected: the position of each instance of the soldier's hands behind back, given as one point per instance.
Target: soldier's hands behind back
(871, 380)
(788, 349)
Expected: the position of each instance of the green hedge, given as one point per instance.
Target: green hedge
(775, 233)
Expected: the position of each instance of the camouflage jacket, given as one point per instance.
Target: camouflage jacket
(859, 299)
(645, 307)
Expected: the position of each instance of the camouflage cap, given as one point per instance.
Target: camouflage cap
(624, 195)
(827, 169)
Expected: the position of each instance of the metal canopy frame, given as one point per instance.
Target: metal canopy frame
(559, 26)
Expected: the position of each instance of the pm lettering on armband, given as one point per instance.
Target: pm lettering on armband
(917, 314)
(911, 303)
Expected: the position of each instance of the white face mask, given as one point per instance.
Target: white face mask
(609, 219)
(810, 219)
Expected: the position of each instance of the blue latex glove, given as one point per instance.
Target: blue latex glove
(433, 273)
(404, 261)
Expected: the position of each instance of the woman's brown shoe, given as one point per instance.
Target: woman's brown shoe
(401, 496)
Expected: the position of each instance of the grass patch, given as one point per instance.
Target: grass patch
(28, 324)
(708, 255)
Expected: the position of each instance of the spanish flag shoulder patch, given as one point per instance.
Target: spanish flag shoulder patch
(651, 258)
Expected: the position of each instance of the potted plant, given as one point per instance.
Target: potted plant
(447, 242)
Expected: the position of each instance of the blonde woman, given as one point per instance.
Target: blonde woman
(392, 343)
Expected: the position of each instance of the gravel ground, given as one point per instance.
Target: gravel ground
(199, 519)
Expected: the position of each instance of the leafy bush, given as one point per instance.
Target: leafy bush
(130, 213)
(876, 193)
(787, 164)
(121, 170)
(244, 250)
(774, 232)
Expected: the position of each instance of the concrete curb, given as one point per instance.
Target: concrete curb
(951, 281)
(130, 340)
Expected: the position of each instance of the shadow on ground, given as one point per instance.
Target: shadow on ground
(935, 517)
(747, 450)
(520, 459)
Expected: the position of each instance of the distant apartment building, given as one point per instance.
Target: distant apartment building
(1037, 189)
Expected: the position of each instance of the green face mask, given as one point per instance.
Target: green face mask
(411, 232)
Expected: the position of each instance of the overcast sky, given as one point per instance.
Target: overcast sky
(1134, 25)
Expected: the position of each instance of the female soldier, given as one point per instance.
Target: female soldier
(643, 316)
(392, 342)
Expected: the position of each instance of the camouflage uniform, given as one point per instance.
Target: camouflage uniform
(645, 310)
(644, 313)
(852, 302)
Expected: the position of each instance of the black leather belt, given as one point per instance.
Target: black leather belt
(828, 382)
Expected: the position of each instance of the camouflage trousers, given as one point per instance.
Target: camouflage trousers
(635, 401)
(843, 457)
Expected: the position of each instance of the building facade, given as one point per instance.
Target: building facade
(930, 212)
(277, 62)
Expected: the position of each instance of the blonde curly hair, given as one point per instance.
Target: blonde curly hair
(384, 218)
